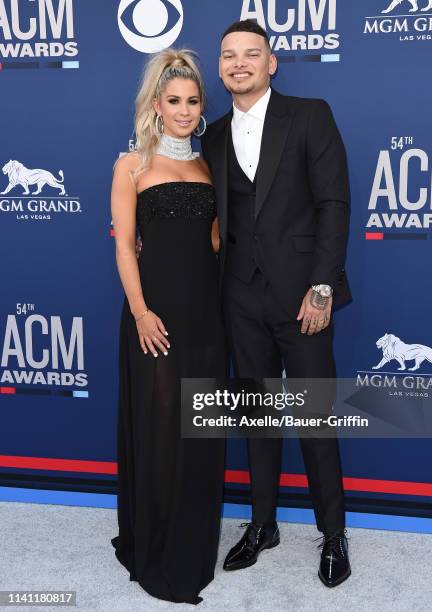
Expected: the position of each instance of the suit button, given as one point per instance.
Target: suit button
(255, 237)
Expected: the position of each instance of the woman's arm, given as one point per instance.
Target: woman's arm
(151, 330)
(123, 210)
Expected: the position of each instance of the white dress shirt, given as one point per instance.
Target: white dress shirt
(246, 129)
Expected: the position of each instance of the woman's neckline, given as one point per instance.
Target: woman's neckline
(174, 183)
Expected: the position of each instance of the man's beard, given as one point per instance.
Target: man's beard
(240, 88)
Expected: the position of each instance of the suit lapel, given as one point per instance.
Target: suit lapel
(277, 124)
(220, 172)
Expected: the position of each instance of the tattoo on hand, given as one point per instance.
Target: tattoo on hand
(318, 301)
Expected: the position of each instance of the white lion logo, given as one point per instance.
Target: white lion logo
(393, 348)
(18, 174)
(414, 6)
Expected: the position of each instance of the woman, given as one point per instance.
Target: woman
(170, 488)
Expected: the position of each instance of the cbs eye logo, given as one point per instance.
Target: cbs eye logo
(150, 25)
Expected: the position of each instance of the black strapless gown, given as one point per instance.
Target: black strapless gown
(170, 488)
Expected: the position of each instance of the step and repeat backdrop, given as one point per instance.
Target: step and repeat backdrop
(69, 73)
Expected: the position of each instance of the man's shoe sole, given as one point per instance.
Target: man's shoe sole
(249, 563)
(336, 582)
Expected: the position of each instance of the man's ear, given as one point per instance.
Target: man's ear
(220, 76)
(272, 64)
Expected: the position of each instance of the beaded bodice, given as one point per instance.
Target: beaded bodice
(176, 200)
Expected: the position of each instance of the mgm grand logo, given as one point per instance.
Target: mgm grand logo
(395, 350)
(414, 6)
(26, 207)
(415, 25)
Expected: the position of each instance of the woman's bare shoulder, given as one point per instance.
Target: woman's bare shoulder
(128, 162)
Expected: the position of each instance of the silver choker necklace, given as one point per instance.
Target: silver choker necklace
(176, 148)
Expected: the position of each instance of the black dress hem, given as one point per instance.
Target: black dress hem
(150, 590)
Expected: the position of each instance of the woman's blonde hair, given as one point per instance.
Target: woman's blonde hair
(163, 67)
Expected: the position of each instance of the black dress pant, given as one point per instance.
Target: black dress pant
(263, 341)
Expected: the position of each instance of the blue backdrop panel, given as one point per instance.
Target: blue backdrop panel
(69, 73)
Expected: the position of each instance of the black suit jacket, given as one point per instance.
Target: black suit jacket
(302, 198)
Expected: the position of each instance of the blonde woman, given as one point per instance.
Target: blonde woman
(169, 487)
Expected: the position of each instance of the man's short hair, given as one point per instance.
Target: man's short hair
(247, 25)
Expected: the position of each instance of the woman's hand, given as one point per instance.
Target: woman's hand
(152, 334)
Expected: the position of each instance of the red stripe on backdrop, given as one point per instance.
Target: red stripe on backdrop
(350, 484)
(423, 489)
(374, 236)
(59, 465)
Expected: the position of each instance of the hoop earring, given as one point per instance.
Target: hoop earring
(200, 133)
(159, 124)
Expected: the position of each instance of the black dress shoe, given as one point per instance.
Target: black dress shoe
(255, 539)
(335, 566)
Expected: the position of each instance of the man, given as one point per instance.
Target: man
(280, 173)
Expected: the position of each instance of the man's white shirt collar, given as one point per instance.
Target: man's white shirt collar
(258, 110)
